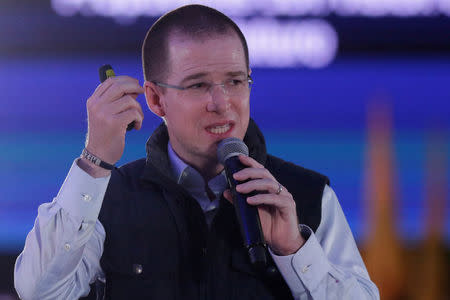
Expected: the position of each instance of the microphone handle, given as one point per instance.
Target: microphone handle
(247, 216)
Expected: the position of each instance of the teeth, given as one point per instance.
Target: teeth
(219, 129)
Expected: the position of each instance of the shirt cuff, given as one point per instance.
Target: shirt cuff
(81, 195)
(306, 268)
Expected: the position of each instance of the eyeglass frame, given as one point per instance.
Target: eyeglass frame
(182, 88)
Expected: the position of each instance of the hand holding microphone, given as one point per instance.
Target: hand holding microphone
(253, 188)
(228, 152)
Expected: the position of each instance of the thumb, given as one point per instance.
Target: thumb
(227, 195)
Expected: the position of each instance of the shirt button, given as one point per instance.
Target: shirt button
(305, 268)
(67, 246)
(86, 197)
(137, 268)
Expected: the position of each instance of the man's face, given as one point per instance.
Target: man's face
(196, 125)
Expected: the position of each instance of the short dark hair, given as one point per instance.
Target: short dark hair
(195, 21)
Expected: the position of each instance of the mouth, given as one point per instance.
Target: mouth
(219, 129)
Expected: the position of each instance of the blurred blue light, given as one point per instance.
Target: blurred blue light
(245, 8)
(308, 43)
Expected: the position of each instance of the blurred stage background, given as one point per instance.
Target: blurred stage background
(357, 90)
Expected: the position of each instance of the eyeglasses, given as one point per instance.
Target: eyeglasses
(235, 87)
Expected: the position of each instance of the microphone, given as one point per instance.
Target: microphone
(228, 152)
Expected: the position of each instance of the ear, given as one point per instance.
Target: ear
(153, 96)
(249, 71)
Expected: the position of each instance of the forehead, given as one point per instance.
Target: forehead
(211, 54)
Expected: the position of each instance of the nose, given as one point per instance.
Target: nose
(220, 101)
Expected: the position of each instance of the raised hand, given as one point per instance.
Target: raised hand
(110, 109)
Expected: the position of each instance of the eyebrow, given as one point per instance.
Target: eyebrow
(237, 73)
(202, 74)
(193, 76)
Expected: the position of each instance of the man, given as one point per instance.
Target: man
(159, 228)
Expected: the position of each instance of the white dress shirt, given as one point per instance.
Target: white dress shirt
(62, 252)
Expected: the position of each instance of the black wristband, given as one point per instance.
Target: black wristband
(97, 161)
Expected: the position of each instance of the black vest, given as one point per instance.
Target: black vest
(158, 245)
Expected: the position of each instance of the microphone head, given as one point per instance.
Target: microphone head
(230, 147)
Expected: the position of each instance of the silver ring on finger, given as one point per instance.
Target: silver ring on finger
(280, 189)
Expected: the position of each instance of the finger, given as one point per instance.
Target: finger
(125, 103)
(121, 86)
(248, 161)
(122, 104)
(102, 87)
(266, 185)
(227, 195)
(253, 173)
(126, 117)
(134, 96)
(138, 125)
(281, 203)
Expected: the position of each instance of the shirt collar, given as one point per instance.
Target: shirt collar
(178, 166)
(190, 178)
